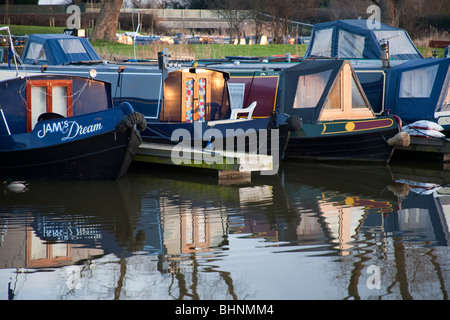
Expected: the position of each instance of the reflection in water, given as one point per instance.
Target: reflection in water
(315, 231)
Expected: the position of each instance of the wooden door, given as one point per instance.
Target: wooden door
(196, 96)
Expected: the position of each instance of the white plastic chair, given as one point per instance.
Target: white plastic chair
(248, 110)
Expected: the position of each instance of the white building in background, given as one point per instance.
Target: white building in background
(51, 2)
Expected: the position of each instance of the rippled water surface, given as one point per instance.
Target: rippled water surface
(314, 231)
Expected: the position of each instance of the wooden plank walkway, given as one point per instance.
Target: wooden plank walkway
(439, 148)
(222, 161)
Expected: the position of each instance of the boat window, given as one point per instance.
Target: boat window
(310, 89)
(358, 101)
(322, 43)
(446, 103)
(59, 100)
(334, 101)
(36, 52)
(237, 93)
(48, 96)
(418, 83)
(346, 99)
(39, 105)
(447, 99)
(72, 46)
(444, 97)
(350, 45)
(399, 43)
(219, 105)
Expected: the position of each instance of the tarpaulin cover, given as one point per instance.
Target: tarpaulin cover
(289, 85)
(416, 89)
(359, 39)
(57, 49)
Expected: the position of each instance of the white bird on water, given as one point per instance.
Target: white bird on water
(16, 186)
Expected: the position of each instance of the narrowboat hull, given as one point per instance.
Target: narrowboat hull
(330, 141)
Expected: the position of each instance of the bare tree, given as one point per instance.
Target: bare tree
(108, 18)
(348, 9)
(254, 13)
(143, 4)
(259, 18)
(390, 11)
(283, 12)
(234, 12)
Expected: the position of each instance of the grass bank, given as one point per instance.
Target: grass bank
(111, 51)
(18, 30)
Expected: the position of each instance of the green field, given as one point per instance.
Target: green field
(25, 30)
(118, 51)
(109, 51)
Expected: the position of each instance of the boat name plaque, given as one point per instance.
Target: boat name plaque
(69, 129)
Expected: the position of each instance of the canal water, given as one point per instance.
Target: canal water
(314, 231)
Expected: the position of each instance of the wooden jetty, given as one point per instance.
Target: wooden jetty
(229, 165)
(421, 147)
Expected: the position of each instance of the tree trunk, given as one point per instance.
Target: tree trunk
(107, 21)
(398, 6)
(390, 11)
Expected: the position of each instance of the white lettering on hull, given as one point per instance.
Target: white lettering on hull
(69, 129)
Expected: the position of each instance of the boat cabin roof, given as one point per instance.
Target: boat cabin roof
(323, 90)
(58, 49)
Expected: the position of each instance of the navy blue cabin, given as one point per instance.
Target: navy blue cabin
(24, 100)
(58, 49)
(420, 90)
